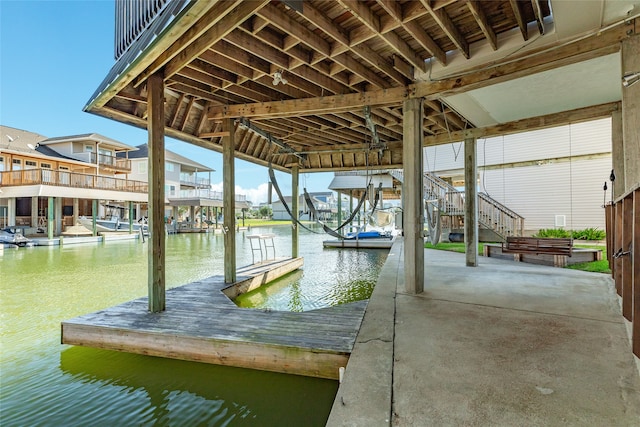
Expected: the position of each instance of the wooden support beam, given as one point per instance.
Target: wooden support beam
(448, 27)
(627, 251)
(635, 262)
(225, 23)
(537, 12)
(483, 22)
(413, 196)
(515, 6)
(228, 183)
(156, 172)
(617, 247)
(582, 50)
(617, 154)
(372, 21)
(294, 210)
(523, 125)
(470, 202)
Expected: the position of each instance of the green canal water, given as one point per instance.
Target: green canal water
(45, 383)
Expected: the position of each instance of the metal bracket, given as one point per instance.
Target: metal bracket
(620, 253)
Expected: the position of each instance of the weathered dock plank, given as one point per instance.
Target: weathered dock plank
(202, 324)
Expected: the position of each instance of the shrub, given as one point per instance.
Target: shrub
(560, 233)
(589, 234)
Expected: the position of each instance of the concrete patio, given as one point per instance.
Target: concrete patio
(501, 344)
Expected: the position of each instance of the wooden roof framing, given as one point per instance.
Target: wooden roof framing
(219, 60)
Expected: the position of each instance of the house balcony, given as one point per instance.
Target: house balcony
(60, 178)
(190, 181)
(111, 162)
(105, 161)
(208, 194)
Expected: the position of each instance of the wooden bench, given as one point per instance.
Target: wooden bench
(538, 245)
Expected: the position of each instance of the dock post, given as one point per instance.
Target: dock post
(156, 254)
(470, 202)
(228, 200)
(412, 140)
(294, 211)
(50, 224)
(94, 217)
(339, 211)
(131, 218)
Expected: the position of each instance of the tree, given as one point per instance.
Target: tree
(265, 212)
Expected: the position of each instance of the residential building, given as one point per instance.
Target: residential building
(188, 192)
(47, 183)
(553, 177)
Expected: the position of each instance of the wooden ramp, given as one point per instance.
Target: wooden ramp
(202, 324)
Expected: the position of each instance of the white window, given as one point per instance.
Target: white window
(30, 164)
(16, 164)
(1, 163)
(45, 165)
(88, 148)
(170, 190)
(168, 166)
(142, 167)
(64, 168)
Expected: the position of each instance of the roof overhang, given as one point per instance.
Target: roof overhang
(475, 64)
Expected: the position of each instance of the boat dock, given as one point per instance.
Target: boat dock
(201, 323)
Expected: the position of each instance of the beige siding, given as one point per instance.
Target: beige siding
(570, 187)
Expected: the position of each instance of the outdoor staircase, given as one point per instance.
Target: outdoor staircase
(492, 215)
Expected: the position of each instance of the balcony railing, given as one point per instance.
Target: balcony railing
(112, 162)
(195, 182)
(70, 179)
(136, 19)
(209, 194)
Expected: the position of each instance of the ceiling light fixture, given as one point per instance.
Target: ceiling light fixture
(278, 78)
(630, 78)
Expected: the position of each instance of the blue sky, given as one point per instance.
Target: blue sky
(53, 56)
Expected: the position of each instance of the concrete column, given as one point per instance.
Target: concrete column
(294, 211)
(58, 215)
(192, 214)
(11, 211)
(470, 202)
(412, 140)
(34, 211)
(76, 210)
(50, 218)
(228, 201)
(156, 172)
(630, 54)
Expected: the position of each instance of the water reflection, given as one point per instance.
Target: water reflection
(188, 393)
(45, 383)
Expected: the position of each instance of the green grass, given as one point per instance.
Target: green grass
(601, 266)
(452, 247)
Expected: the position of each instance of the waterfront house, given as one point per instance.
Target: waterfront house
(47, 183)
(187, 186)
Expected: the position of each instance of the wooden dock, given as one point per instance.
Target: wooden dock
(202, 324)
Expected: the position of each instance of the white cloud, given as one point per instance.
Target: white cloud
(255, 195)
